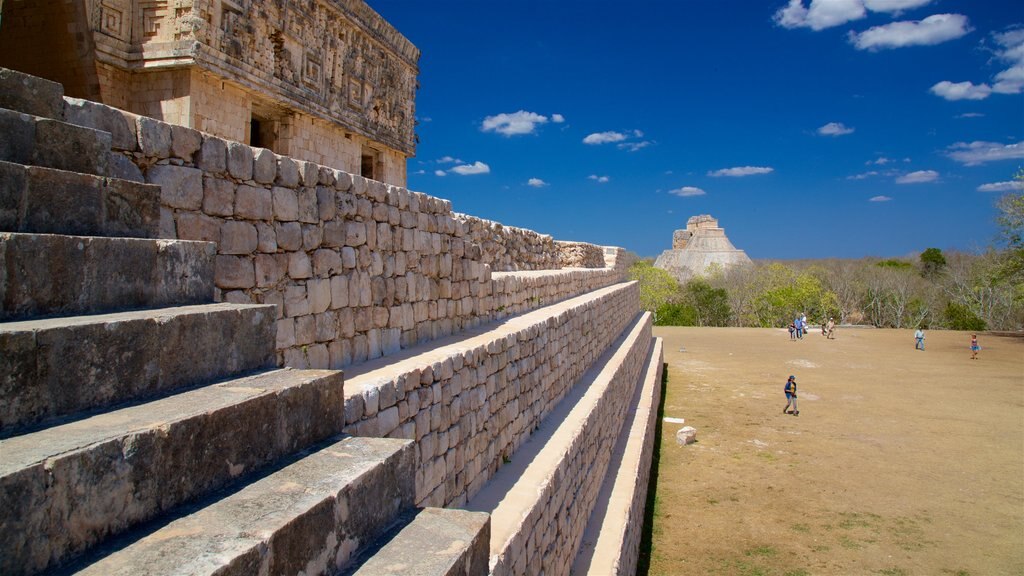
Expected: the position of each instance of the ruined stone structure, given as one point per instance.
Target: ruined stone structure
(701, 245)
(174, 309)
(327, 81)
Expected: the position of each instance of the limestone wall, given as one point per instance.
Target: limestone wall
(469, 407)
(580, 255)
(357, 268)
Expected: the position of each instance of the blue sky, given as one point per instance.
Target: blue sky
(822, 128)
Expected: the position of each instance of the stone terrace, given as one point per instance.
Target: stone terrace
(175, 312)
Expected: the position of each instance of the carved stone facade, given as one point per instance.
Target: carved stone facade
(328, 81)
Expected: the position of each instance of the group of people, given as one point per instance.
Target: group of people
(919, 343)
(798, 328)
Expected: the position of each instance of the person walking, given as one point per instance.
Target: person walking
(792, 331)
(799, 328)
(974, 347)
(830, 329)
(919, 339)
(791, 397)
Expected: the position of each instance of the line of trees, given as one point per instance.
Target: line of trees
(954, 290)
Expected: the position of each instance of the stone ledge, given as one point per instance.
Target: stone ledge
(69, 487)
(611, 543)
(311, 516)
(59, 366)
(541, 501)
(45, 274)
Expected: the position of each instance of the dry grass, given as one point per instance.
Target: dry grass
(901, 462)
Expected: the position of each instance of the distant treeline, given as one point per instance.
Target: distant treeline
(953, 290)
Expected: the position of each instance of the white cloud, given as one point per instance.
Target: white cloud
(1011, 80)
(863, 175)
(448, 160)
(477, 167)
(835, 129)
(978, 152)
(969, 115)
(604, 137)
(821, 14)
(536, 183)
(1011, 186)
(881, 161)
(418, 172)
(634, 146)
(879, 199)
(961, 90)
(514, 124)
(934, 29)
(919, 177)
(894, 5)
(741, 171)
(557, 118)
(440, 173)
(687, 191)
(599, 179)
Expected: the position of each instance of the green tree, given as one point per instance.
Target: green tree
(960, 317)
(675, 314)
(657, 287)
(710, 304)
(932, 262)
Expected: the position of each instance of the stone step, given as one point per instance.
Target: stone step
(540, 501)
(49, 201)
(46, 274)
(67, 488)
(611, 542)
(31, 94)
(310, 517)
(431, 542)
(470, 400)
(38, 141)
(59, 366)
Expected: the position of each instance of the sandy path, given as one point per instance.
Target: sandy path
(901, 461)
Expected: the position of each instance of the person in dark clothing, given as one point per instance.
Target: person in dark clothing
(791, 397)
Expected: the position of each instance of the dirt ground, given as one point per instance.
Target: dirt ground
(901, 462)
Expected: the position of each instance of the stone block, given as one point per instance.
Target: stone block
(240, 161)
(286, 204)
(267, 237)
(193, 226)
(264, 166)
(299, 266)
(253, 203)
(305, 330)
(69, 147)
(234, 272)
(185, 142)
(285, 333)
(312, 236)
(31, 94)
(295, 301)
(154, 137)
(307, 206)
(237, 237)
(325, 205)
(289, 235)
(121, 167)
(180, 187)
(218, 196)
(319, 290)
(339, 292)
(212, 155)
(269, 269)
(287, 172)
(122, 126)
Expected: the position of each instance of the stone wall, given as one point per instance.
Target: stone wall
(579, 255)
(357, 268)
(470, 408)
(553, 521)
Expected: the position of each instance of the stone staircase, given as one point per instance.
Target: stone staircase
(145, 428)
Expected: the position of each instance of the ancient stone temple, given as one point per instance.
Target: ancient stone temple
(702, 244)
(327, 81)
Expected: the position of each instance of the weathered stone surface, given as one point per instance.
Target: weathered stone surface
(92, 361)
(239, 161)
(264, 166)
(69, 147)
(286, 204)
(287, 172)
(212, 155)
(122, 126)
(700, 245)
(180, 187)
(218, 196)
(31, 94)
(355, 487)
(120, 166)
(185, 142)
(253, 203)
(154, 137)
(432, 542)
(237, 238)
(235, 272)
(182, 446)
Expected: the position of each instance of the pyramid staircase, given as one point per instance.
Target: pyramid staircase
(145, 428)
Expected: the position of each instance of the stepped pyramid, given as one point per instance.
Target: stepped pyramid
(702, 244)
(175, 312)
